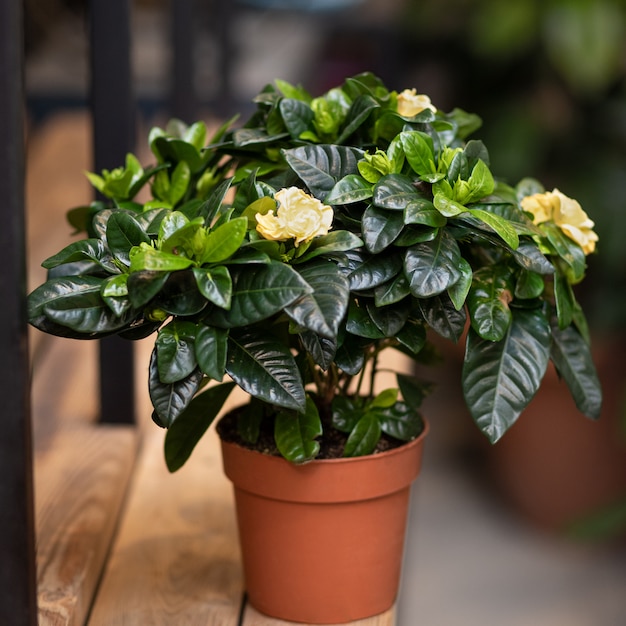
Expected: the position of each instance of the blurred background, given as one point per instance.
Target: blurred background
(548, 79)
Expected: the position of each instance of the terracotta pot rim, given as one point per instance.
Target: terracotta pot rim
(323, 480)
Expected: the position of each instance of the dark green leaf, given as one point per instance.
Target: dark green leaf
(364, 436)
(258, 295)
(433, 266)
(367, 272)
(295, 433)
(394, 192)
(211, 349)
(500, 378)
(360, 110)
(143, 286)
(170, 400)
(321, 166)
(400, 421)
(215, 284)
(345, 413)
(91, 249)
(175, 346)
(380, 228)
(389, 319)
(572, 358)
(180, 295)
(488, 302)
(351, 188)
(350, 356)
(192, 423)
(265, 368)
(322, 310)
(360, 323)
(124, 232)
(443, 317)
(297, 115)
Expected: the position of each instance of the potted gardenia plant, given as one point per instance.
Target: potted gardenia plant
(284, 256)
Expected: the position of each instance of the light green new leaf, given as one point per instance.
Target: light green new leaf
(224, 241)
(500, 225)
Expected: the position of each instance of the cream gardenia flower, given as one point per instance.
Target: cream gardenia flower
(299, 216)
(566, 213)
(410, 103)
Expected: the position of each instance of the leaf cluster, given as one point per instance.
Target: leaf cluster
(424, 239)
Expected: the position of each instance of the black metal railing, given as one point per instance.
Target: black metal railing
(113, 106)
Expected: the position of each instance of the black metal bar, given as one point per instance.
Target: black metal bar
(18, 590)
(183, 98)
(113, 107)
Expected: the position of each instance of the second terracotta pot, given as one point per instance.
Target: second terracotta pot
(322, 543)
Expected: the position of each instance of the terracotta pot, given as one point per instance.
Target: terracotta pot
(322, 542)
(555, 465)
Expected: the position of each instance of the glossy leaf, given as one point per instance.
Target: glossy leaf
(211, 348)
(389, 319)
(215, 284)
(297, 116)
(360, 110)
(124, 232)
(443, 317)
(321, 166)
(500, 378)
(351, 188)
(572, 358)
(180, 295)
(190, 426)
(433, 266)
(412, 336)
(170, 399)
(296, 433)
(258, 295)
(458, 292)
(419, 152)
(322, 310)
(90, 249)
(368, 272)
(380, 228)
(488, 303)
(266, 369)
(394, 192)
(400, 421)
(175, 346)
(360, 323)
(345, 413)
(392, 291)
(364, 436)
(350, 356)
(143, 286)
(499, 225)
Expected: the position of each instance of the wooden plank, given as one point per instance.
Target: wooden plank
(252, 617)
(80, 484)
(176, 558)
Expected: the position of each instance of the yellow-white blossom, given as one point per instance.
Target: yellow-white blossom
(410, 103)
(566, 213)
(299, 216)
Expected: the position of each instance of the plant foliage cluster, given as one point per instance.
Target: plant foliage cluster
(423, 239)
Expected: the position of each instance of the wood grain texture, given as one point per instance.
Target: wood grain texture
(176, 558)
(252, 617)
(80, 484)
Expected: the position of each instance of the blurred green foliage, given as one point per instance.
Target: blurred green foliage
(549, 79)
